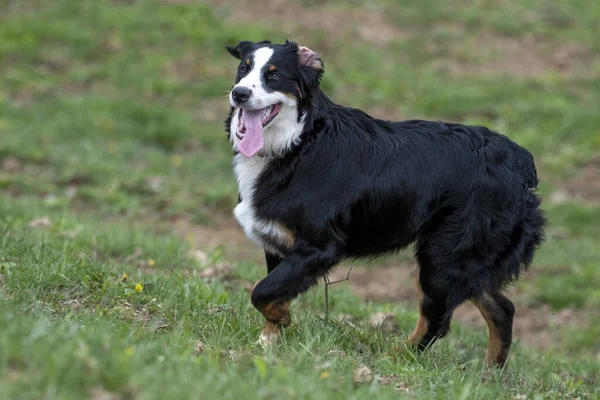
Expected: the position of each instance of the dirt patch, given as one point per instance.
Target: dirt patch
(227, 234)
(368, 25)
(585, 185)
(488, 53)
(382, 284)
(539, 327)
(460, 52)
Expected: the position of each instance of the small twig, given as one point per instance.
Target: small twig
(328, 283)
(137, 254)
(94, 247)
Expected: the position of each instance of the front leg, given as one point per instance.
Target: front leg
(272, 260)
(293, 275)
(271, 331)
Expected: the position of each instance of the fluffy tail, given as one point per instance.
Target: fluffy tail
(535, 220)
(527, 168)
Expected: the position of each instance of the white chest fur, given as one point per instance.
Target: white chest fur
(268, 234)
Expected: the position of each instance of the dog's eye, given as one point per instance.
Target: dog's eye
(243, 68)
(274, 76)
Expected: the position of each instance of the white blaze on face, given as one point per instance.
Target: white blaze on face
(285, 129)
(253, 80)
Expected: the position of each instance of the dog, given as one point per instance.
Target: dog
(320, 183)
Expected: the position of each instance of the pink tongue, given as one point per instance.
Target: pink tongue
(253, 139)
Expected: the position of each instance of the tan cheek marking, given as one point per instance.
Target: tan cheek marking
(272, 68)
(247, 61)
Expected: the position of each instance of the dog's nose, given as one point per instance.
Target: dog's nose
(241, 94)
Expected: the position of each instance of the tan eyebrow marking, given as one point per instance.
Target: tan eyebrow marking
(247, 61)
(272, 68)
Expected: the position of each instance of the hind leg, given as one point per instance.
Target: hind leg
(498, 312)
(437, 301)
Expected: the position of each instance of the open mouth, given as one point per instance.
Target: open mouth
(268, 114)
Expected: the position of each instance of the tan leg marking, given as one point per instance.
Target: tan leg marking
(421, 328)
(277, 314)
(496, 352)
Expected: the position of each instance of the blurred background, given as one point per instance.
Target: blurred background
(111, 117)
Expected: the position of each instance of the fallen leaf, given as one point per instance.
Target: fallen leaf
(345, 317)
(386, 379)
(324, 365)
(560, 197)
(233, 355)
(72, 233)
(336, 353)
(11, 164)
(40, 223)
(401, 387)
(160, 325)
(218, 271)
(156, 183)
(102, 394)
(71, 191)
(363, 374)
(199, 256)
(199, 348)
(384, 321)
(220, 309)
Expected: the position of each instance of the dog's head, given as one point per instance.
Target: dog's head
(273, 87)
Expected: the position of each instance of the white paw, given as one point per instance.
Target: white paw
(267, 340)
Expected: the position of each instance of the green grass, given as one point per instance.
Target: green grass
(111, 128)
(73, 323)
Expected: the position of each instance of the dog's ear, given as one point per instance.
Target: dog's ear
(241, 49)
(309, 58)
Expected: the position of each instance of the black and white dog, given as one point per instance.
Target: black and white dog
(319, 182)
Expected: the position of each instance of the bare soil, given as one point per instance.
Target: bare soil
(585, 185)
(485, 53)
(368, 25)
(538, 326)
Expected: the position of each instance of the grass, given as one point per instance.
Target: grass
(111, 125)
(75, 324)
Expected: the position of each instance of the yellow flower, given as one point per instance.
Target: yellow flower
(139, 288)
(151, 263)
(176, 161)
(324, 375)
(129, 351)
(125, 276)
